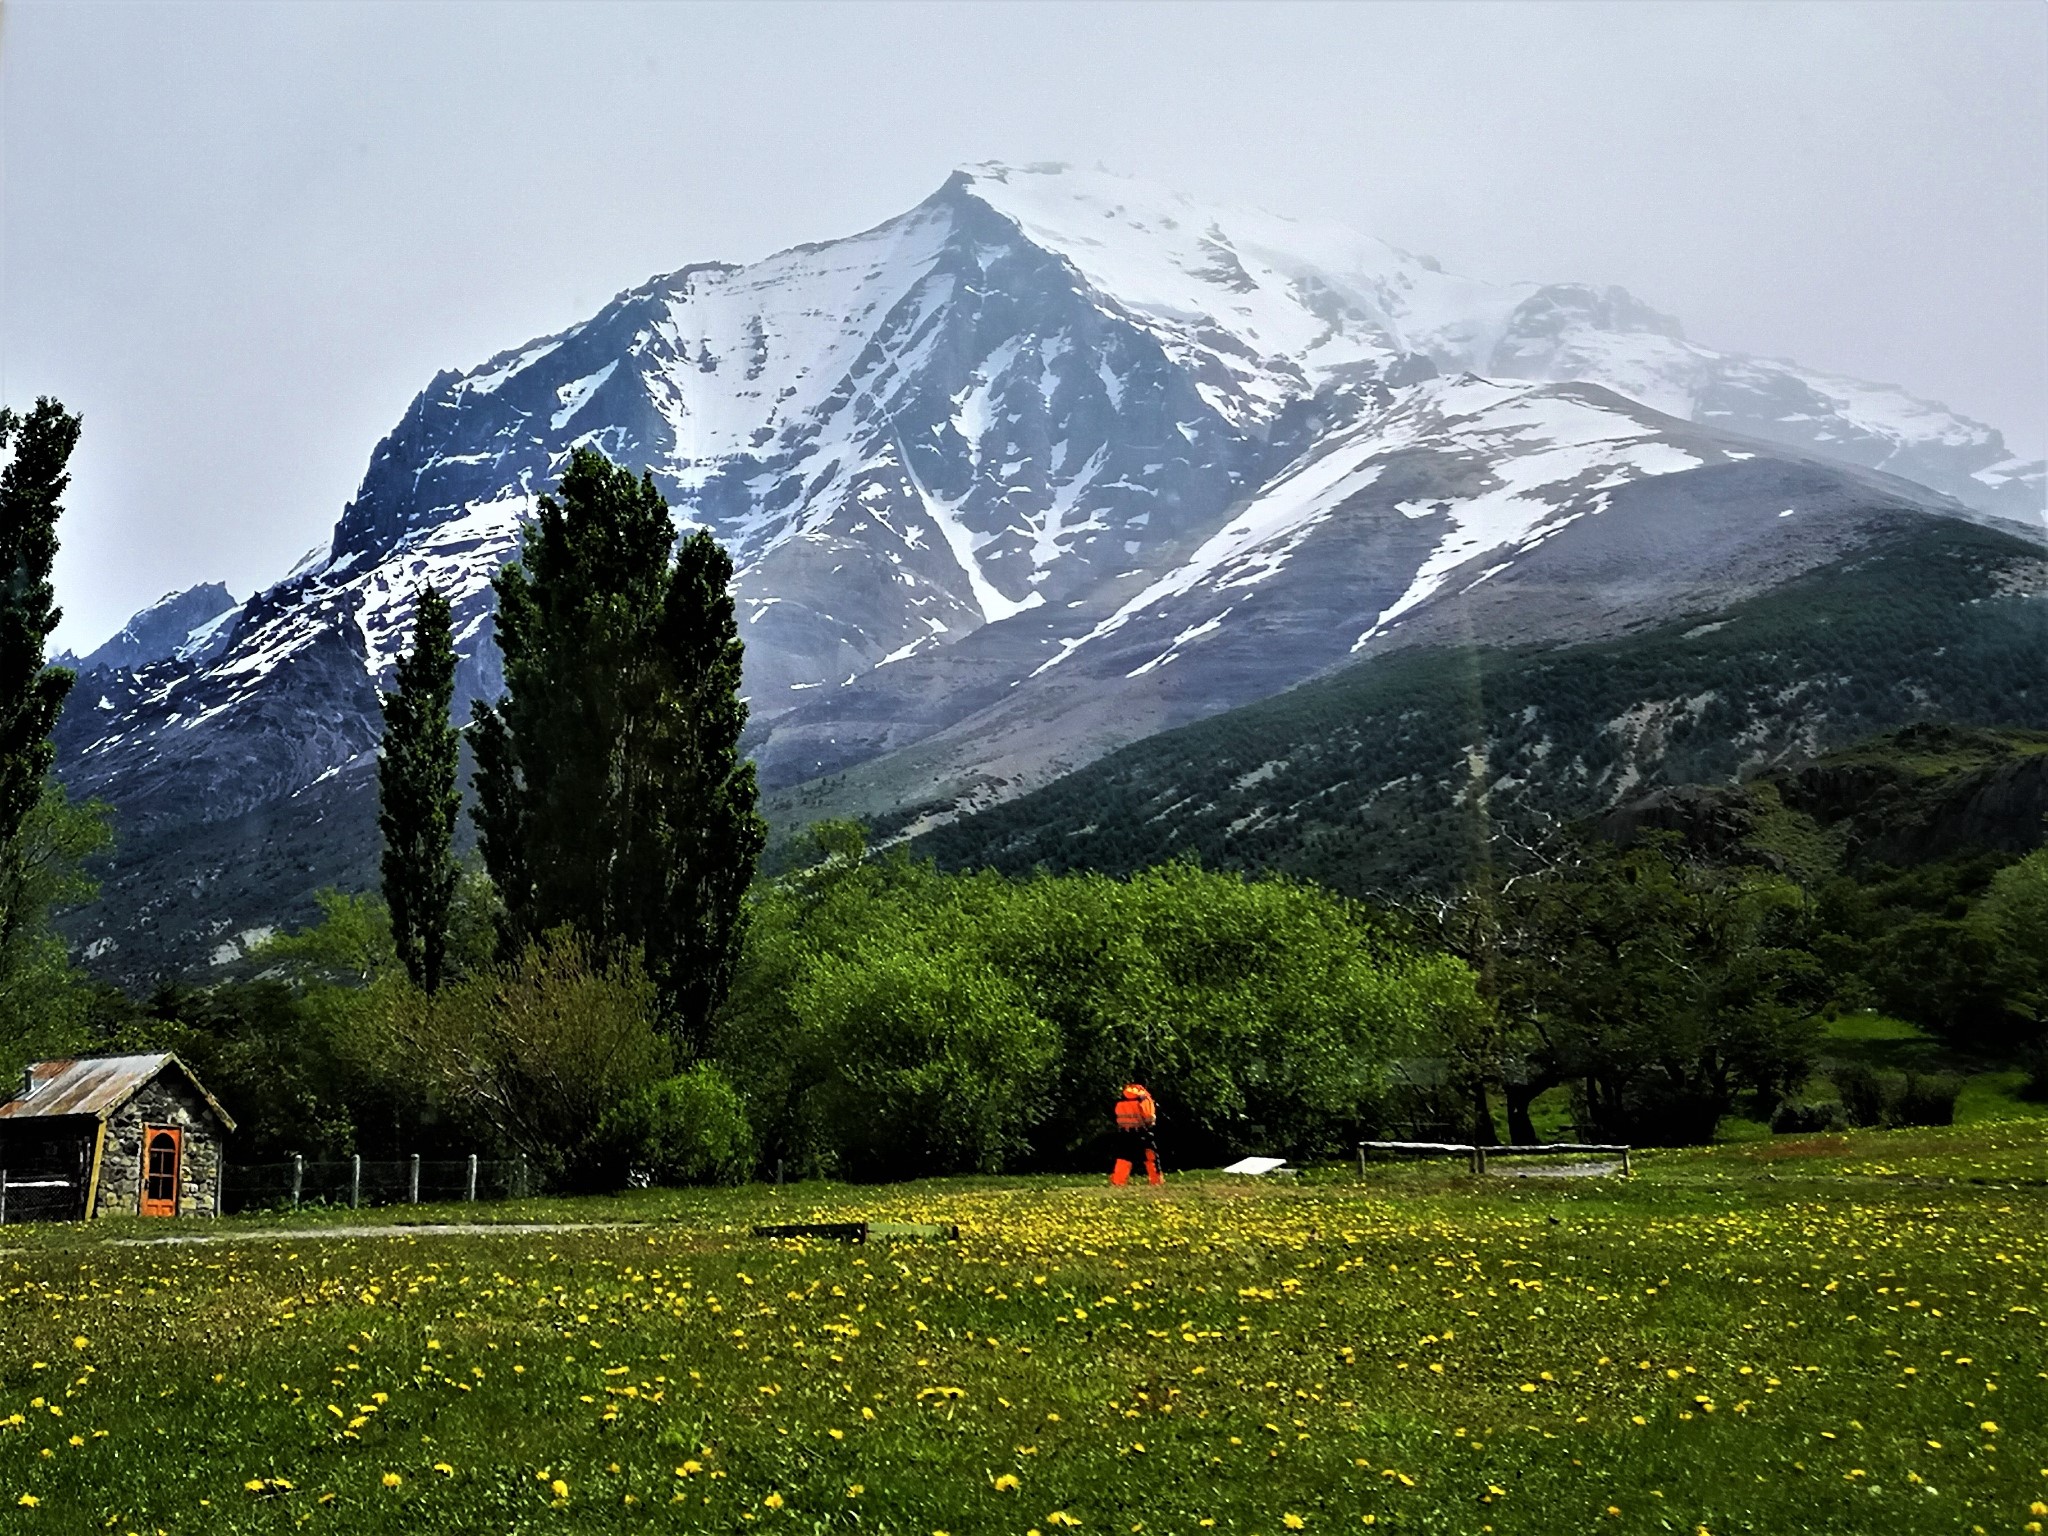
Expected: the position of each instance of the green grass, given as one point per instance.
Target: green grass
(1795, 1334)
(1988, 1097)
(1863, 1028)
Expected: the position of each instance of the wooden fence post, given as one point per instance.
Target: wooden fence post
(1361, 1159)
(298, 1177)
(471, 1195)
(1624, 1162)
(522, 1176)
(412, 1186)
(3, 1197)
(355, 1182)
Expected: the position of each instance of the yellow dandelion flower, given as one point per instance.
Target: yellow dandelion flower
(392, 1480)
(773, 1501)
(1293, 1522)
(559, 1488)
(1004, 1483)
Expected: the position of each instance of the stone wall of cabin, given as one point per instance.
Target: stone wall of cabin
(168, 1100)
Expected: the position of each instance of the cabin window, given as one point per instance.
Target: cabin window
(160, 1151)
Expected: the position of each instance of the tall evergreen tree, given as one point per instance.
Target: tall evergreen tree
(611, 791)
(43, 838)
(418, 799)
(31, 694)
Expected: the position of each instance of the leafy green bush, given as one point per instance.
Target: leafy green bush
(1873, 1098)
(939, 1066)
(1795, 1119)
(1867, 1094)
(1928, 1099)
(2034, 1062)
(535, 1053)
(687, 1129)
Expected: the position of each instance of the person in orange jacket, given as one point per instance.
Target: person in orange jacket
(1136, 1116)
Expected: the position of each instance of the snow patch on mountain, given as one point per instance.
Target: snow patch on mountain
(1538, 458)
(1252, 545)
(1542, 450)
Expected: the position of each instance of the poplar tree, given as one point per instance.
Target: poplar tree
(418, 797)
(44, 839)
(611, 795)
(31, 694)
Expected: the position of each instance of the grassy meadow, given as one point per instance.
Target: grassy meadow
(1836, 1333)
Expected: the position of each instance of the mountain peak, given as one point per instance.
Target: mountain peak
(178, 624)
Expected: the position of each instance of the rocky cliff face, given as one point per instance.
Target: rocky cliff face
(1046, 462)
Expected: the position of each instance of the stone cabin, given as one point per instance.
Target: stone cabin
(112, 1135)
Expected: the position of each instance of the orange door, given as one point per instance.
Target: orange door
(161, 1149)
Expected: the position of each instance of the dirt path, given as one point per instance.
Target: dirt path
(320, 1234)
(1557, 1171)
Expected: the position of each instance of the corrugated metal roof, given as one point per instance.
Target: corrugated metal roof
(94, 1085)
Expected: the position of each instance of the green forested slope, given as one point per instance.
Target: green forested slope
(1396, 774)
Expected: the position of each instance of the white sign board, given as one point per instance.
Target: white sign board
(1255, 1166)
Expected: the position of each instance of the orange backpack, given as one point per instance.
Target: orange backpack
(1135, 1111)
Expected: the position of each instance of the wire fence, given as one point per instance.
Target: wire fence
(39, 1197)
(351, 1183)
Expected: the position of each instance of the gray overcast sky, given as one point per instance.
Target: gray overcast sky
(239, 238)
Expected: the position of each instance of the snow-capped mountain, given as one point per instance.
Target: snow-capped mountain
(983, 456)
(187, 626)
